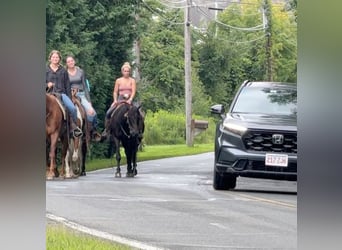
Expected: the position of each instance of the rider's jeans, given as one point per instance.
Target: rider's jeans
(70, 106)
(91, 113)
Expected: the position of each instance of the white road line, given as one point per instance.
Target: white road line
(218, 225)
(104, 235)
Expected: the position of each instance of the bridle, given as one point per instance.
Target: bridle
(128, 123)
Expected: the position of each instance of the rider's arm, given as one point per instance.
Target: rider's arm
(67, 84)
(116, 91)
(48, 83)
(134, 89)
(85, 87)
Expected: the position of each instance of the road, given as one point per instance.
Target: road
(171, 204)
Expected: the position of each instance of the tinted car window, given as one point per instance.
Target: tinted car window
(266, 100)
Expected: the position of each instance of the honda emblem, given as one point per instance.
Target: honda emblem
(278, 139)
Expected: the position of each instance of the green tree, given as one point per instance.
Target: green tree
(235, 49)
(100, 35)
(162, 56)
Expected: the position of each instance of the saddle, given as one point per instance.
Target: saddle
(115, 108)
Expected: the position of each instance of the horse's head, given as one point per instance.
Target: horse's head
(135, 121)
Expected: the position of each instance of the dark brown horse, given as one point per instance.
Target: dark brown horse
(55, 129)
(126, 128)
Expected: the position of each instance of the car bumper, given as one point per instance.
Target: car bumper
(252, 164)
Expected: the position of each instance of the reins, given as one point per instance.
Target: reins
(122, 129)
(125, 114)
(128, 136)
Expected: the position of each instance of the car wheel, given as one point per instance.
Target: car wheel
(224, 181)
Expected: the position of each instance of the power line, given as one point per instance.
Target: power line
(198, 6)
(162, 17)
(238, 42)
(174, 2)
(255, 28)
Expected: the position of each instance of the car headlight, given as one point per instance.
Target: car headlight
(234, 128)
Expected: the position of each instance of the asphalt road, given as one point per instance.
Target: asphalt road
(171, 204)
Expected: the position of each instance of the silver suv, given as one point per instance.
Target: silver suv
(257, 137)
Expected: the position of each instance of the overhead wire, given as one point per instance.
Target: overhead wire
(199, 7)
(173, 2)
(255, 28)
(159, 15)
(239, 42)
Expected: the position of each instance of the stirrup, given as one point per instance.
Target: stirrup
(96, 136)
(77, 132)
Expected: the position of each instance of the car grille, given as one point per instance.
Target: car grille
(262, 141)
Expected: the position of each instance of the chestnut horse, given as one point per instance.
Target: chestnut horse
(126, 127)
(56, 128)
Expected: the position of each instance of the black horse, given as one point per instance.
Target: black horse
(126, 127)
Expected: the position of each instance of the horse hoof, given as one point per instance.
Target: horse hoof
(83, 174)
(117, 175)
(129, 175)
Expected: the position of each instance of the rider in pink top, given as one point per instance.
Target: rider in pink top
(124, 91)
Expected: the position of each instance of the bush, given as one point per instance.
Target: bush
(163, 127)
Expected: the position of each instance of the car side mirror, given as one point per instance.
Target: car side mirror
(217, 109)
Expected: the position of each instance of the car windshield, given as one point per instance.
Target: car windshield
(267, 100)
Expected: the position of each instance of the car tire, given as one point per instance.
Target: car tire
(223, 181)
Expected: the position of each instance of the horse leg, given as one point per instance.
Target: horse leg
(118, 158)
(65, 148)
(134, 161)
(47, 153)
(75, 149)
(128, 152)
(83, 160)
(111, 149)
(52, 155)
(67, 166)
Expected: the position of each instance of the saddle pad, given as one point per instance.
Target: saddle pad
(62, 107)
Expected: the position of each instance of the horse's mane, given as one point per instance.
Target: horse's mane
(119, 112)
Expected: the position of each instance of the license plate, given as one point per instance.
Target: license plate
(278, 160)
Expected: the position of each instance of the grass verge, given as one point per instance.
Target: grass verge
(152, 153)
(59, 237)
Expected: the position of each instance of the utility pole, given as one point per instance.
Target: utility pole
(268, 30)
(187, 68)
(216, 27)
(136, 48)
(137, 60)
